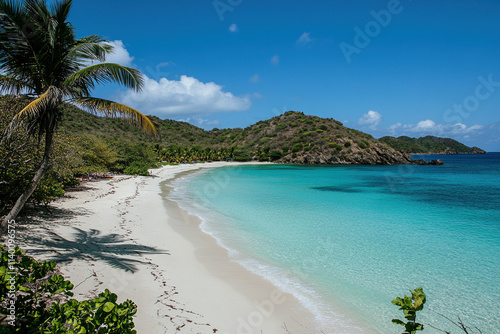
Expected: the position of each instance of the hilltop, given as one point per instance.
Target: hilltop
(430, 145)
(292, 137)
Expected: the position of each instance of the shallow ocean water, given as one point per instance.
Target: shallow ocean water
(346, 240)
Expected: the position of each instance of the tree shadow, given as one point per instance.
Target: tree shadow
(91, 245)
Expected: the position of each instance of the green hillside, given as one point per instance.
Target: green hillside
(430, 145)
(292, 138)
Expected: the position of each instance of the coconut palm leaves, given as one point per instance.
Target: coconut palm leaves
(41, 57)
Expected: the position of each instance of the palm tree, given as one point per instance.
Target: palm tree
(40, 57)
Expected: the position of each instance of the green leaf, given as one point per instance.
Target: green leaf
(398, 322)
(108, 307)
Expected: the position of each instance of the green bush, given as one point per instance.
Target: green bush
(347, 144)
(263, 157)
(137, 168)
(297, 147)
(336, 146)
(41, 301)
(410, 306)
(275, 155)
(241, 155)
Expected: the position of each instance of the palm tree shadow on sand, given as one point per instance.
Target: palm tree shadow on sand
(91, 245)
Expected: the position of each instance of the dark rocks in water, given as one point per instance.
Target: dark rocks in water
(422, 162)
(437, 162)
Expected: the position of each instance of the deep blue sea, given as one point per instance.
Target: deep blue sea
(346, 240)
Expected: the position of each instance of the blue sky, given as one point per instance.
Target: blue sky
(393, 67)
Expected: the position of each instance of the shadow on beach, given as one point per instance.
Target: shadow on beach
(115, 250)
(91, 245)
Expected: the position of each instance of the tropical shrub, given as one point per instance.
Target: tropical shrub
(263, 157)
(97, 155)
(21, 155)
(297, 147)
(241, 154)
(137, 168)
(41, 301)
(275, 155)
(410, 306)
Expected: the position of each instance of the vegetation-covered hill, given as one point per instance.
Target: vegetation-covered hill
(292, 138)
(430, 145)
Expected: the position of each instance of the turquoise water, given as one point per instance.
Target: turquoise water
(346, 240)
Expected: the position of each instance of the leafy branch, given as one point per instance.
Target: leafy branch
(410, 306)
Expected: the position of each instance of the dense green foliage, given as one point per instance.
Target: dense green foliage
(42, 59)
(410, 306)
(42, 304)
(21, 155)
(428, 145)
(275, 139)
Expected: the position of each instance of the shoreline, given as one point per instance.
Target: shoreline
(117, 236)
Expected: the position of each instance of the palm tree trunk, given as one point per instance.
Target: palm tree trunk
(49, 135)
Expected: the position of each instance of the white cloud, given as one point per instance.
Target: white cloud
(424, 126)
(197, 120)
(275, 60)
(304, 39)
(120, 55)
(371, 119)
(429, 127)
(187, 96)
(254, 78)
(233, 28)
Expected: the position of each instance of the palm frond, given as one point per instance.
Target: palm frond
(90, 76)
(12, 85)
(91, 48)
(115, 110)
(41, 114)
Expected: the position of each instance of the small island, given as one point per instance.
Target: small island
(430, 145)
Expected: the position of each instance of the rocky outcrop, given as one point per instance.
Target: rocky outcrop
(477, 150)
(375, 157)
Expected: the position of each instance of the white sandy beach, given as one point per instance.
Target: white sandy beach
(122, 235)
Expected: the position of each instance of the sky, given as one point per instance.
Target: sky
(385, 67)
